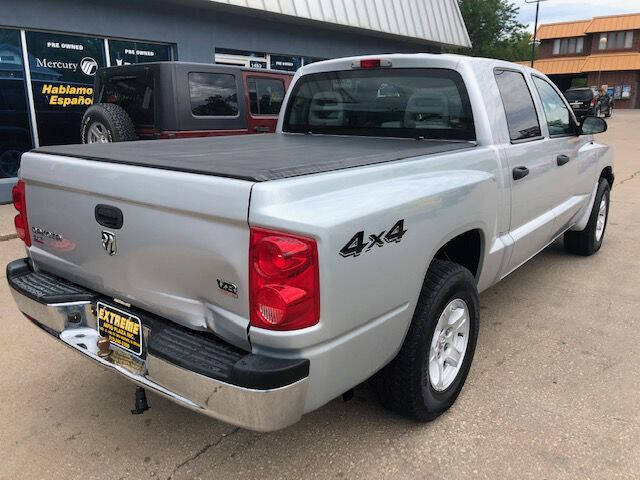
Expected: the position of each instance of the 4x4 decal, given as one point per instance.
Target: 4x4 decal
(357, 244)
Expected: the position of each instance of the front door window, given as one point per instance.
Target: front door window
(555, 110)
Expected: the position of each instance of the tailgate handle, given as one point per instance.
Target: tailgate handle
(108, 216)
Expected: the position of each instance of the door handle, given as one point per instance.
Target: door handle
(562, 159)
(262, 129)
(520, 172)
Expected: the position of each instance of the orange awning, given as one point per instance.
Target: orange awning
(556, 66)
(593, 63)
(614, 23)
(562, 30)
(612, 62)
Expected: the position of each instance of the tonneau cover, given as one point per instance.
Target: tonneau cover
(258, 157)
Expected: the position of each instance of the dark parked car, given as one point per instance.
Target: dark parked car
(585, 102)
(180, 100)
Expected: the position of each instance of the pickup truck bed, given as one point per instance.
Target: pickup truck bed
(281, 156)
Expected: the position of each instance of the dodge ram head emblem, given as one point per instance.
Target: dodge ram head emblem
(109, 242)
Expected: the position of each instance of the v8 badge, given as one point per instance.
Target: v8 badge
(358, 245)
(228, 288)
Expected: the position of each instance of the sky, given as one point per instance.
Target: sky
(567, 10)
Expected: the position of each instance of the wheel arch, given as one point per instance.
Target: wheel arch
(465, 248)
(607, 174)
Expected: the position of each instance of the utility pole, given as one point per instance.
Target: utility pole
(535, 29)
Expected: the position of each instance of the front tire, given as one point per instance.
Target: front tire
(428, 373)
(588, 241)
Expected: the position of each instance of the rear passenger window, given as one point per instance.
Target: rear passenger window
(134, 93)
(265, 95)
(555, 110)
(213, 94)
(518, 105)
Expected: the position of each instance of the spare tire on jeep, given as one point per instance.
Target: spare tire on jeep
(106, 123)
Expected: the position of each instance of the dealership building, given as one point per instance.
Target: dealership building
(50, 50)
(601, 51)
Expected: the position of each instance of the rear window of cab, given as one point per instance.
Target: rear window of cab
(409, 103)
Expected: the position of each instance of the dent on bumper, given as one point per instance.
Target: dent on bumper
(263, 410)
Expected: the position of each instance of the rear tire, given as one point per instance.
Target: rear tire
(106, 123)
(588, 241)
(609, 112)
(410, 384)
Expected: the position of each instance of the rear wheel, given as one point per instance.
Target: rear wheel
(428, 373)
(609, 112)
(588, 241)
(106, 123)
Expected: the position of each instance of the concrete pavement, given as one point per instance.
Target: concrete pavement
(7, 230)
(554, 391)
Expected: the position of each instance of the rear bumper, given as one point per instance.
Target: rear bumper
(258, 393)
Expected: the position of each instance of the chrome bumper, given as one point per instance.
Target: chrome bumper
(261, 410)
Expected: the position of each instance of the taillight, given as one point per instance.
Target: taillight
(593, 102)
(371, 63)
(18, 195)
(284, 280)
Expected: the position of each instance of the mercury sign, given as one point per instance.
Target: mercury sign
(88, 65)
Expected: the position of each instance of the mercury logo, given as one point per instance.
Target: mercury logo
(88, 66)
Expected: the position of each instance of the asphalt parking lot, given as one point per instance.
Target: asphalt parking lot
(554, 391)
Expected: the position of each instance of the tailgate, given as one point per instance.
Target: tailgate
(183, 237)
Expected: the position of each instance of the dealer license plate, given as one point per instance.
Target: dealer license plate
(123, 329)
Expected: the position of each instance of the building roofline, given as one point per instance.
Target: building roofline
(422, 26)
(588, 23)
(569, 22)
(616, 16)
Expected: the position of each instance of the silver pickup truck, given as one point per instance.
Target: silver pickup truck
(255, 279)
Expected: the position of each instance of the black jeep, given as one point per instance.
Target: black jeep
(181, 100)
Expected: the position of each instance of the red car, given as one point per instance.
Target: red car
(179, 100)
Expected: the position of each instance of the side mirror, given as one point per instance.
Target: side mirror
(592, 125)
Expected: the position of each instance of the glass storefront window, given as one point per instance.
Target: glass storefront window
(62, 70)
(15, 130)
(124, 52)
(287, 63)
(242, 58)
(310, 60)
